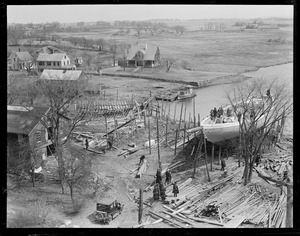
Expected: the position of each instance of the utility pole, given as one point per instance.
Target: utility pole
(158, 153)
(140, 207)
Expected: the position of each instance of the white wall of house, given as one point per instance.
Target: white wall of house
(53, 64)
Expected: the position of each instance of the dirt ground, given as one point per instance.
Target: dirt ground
(118, 181)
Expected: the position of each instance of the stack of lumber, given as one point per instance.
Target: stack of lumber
(236, 203)
(279, 164)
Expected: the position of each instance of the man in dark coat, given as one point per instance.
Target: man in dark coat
(156, 192)
(86, 143)
(158, 176)
(223, 164)
(215, 113)
(162, 191)
(211, 114)
(168, 177)
(175, 189)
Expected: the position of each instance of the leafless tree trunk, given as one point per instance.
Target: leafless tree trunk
(258, 112)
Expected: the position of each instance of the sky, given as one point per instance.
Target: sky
(92, 13)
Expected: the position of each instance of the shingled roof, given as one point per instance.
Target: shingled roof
(51, 57)
(147, 49)
(24, 56)
(21, 121)
(49, 50)
(62, 74)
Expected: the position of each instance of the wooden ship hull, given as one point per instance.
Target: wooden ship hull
(186, 96)
(168, 98)
(218, 132)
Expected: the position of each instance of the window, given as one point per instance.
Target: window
(54, 63)
(49, 63)
(58, 63)
(41, 63)
(64, 62)
(38, 135)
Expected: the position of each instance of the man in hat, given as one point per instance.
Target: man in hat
(168, 177)
(175, 189)
(86, 143)
(158, 176)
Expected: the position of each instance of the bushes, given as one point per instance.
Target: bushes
(37, 215)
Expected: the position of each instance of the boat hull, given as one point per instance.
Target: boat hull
(216, 133)
(181, 97)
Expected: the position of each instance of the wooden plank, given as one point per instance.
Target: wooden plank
(205, 220)
(166, 219)
(234, 223)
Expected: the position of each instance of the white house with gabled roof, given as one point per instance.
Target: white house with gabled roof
(56, 61)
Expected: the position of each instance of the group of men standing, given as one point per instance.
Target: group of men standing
(159, 188)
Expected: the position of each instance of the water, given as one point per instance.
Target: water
(214, 96)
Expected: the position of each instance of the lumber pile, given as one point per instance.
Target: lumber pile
(278, 164)
(225, 203)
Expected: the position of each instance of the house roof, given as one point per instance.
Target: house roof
(22, 121)
(24, 56)
(51, 57)
(61, 74)
(147, 49)
(49, 50)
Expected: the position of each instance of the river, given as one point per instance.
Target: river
(214, 96)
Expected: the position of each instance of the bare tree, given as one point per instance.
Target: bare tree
(77, 168)
(113, 50)
(124, 48)
(168, 62)
(258, 116)
(58, 95)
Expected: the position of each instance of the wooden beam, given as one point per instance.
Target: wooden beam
(166, 219)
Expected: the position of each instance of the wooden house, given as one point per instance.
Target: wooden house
(19, 60)
(24, 127)
(56, 61)
(145, 55)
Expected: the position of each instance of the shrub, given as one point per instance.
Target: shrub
(37, 215)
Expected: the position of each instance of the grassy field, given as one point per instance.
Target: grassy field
(212, 53)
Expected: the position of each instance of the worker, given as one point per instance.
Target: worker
(223, 164)
(110, 140)
(221, 111)
(86, 143)
(158, 176)
(228, 112)
(215, 113)
(156, 192)
(168, 177)
(142, 159)
(175, 189)
(211, 114)
(162, 191)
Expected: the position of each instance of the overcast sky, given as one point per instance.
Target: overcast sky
(92, 13)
